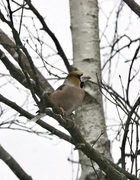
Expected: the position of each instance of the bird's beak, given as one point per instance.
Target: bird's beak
(85, 78)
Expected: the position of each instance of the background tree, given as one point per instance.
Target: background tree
(86, 53)
(28, 62)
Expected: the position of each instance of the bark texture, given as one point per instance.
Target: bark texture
(86, 53)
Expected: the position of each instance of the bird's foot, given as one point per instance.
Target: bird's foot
(62, 112)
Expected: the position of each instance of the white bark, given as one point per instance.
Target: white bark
(86, 53)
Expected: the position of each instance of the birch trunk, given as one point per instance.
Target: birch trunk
(86, 55)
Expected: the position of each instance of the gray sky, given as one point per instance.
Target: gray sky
(43, 158)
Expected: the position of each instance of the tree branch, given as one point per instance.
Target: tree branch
(15, 72)
(11, 47)
(39, 122)
(137, 103)
(129, 74)
(19, 46)
(112, 170)
(51, 34)
(13, 165)
(133, 6)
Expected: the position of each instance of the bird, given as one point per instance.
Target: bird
(68, 96)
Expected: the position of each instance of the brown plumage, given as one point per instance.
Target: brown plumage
(70, 95)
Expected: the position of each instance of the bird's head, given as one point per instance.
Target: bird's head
(74, 78)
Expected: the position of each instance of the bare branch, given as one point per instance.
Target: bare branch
(13, 165)
(130, 71)
(77, 139)
(10, 46)
(15, 72)
(39, 122)
(137, 103)
(133, 6)
(51, 34)
(112, 170)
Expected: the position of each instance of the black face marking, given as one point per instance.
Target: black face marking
(82, 84)
(78, 76)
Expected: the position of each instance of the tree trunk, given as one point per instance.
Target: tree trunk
(86, 54)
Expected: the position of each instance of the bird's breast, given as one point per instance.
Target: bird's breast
(69, 98)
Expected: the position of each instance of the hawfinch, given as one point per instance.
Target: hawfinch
(70, 95)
